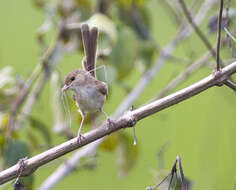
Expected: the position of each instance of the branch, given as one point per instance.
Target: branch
(226, 27)
(187, 72)
(168, 50)
(32, 97)
(21, 98)
(219, 36)
(127, 120)
(63, 170)
(69, 165)
(50, 58)
(230, 84)
(197, 29)
(184, 75)
(164, 56)
(166, 53)
(229, 34)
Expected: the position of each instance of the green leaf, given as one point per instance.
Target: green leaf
(138, 18)
(4, 119)
(127, 153)
(39, 3)
(129, 3)
(34, 141)
(110, 143)
(147, 54)
(15, 151)
(27, 182)
(124, 53)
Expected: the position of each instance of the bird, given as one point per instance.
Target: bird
(89, 93)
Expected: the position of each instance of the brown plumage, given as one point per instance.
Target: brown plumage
(89, 93)
(90, 48)
(82, 78)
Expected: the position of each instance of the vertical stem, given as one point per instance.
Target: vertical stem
(219, 36)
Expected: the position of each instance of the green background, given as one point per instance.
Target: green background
(202, 129)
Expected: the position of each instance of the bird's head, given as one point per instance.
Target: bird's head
(74, 79)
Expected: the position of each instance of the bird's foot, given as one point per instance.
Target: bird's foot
(110, 123)
(80, 137)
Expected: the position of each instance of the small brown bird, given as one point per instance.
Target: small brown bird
(89, 93)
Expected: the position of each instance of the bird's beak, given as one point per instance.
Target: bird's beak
(65, 87)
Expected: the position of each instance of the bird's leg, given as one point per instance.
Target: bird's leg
(110, 122)
(80, 136)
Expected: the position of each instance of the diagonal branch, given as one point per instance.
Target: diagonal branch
(127, 120)
(52, 57)
(196, 28)
(163, 58)
(184, 75)
(166, 54)
(230, 84)
(187, 72)
(70, 165)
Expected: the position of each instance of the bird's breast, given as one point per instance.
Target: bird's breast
(89, 99)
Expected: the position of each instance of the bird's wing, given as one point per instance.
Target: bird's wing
(101, 87)
(89, 38)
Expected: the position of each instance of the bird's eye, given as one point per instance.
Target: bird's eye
(72, 78)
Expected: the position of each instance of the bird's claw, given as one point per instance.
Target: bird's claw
(80, 137)
(110, 123)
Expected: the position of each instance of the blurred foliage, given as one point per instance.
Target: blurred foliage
(42, 128)
(18, 186)
(127, 154)
(9, 86)
(110, 143)
(120, 58)
(13, 152)
(123, 55)
(127, 50)
(213, 20)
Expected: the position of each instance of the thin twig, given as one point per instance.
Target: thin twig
(163, 58)
(21, 98)
(219, 36)
(229, 34)
(196, 28)
(172, 11)
(181, 171)
(127, 120)
(48, 62)
(156, 186)
(227, 13)
(187, 72)
(25, 92)
(184, 75)
(173, 172)
(69, 165)
(230, 84)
